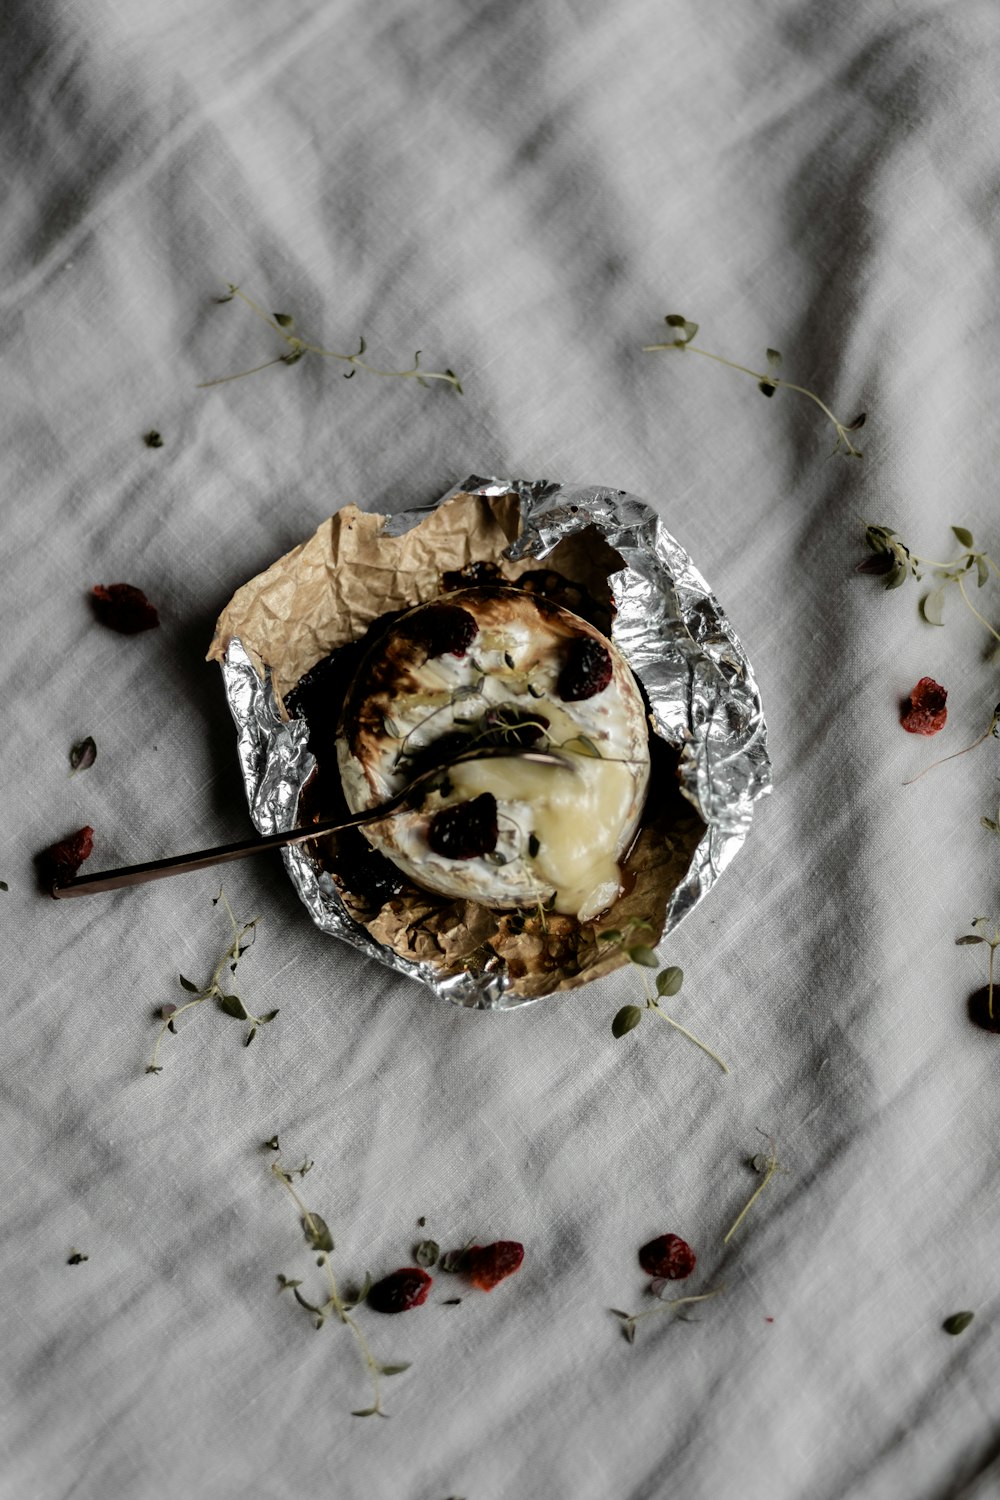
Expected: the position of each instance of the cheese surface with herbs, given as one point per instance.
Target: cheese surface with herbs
(500, 668)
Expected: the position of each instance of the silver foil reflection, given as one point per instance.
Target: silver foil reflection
(674, 635)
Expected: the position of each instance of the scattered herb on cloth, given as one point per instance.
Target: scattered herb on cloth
(767, 380)
(82, 755)
(298, 348)
(668, 982)
(673, 1305)
(337, 1304)
(894, 561)
(983, 1012)
(766, 1166)
(230, 1004)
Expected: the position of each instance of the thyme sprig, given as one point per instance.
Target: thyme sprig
(230, 1004)
(766, 1166)
(767, 381)
(896, 562)
(994, 943)
(336, 1304)
(667, 1305)
(668, 982)
(283, 323)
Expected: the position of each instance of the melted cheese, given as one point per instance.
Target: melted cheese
(576, 815)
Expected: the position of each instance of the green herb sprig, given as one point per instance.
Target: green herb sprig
(666, 1305)
(283, 323)
(767, 380)
(668, 982)
(229, 1003)
(894, 561)
(993, 943)
(336, 1304)
(766, 1166)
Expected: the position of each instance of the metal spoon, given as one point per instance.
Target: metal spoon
(179, 864)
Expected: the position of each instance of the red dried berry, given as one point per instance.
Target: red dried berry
(60, 862)
(124, 608)
(442, 628)
(586, 670)
(487, 1265)
(400, 1290)
(924, 711)
(466, 830)
(668, 1257)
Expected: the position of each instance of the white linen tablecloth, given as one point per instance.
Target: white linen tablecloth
(522, 192)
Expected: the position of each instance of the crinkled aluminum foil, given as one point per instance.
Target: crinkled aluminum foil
(673, 633)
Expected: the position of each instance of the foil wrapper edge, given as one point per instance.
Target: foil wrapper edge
(675, 636)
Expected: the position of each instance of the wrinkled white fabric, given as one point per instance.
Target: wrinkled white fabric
(521, 192)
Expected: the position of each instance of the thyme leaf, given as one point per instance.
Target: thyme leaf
(82, 755)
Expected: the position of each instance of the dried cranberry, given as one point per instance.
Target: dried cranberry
(488, 1265)
(586, 670)
(442, 628)
(979, 1008)
(123, 608)
(400, 1290)
(668, 1256)
(466, 830)
(924, 711)
(60, 862)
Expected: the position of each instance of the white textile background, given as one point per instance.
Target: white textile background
(521, 191)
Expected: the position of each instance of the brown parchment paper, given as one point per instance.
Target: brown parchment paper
(327, 591)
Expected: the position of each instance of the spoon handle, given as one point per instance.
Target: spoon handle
(180, 864)
(201, 859)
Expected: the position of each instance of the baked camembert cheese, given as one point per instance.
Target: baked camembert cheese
(500, 667)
